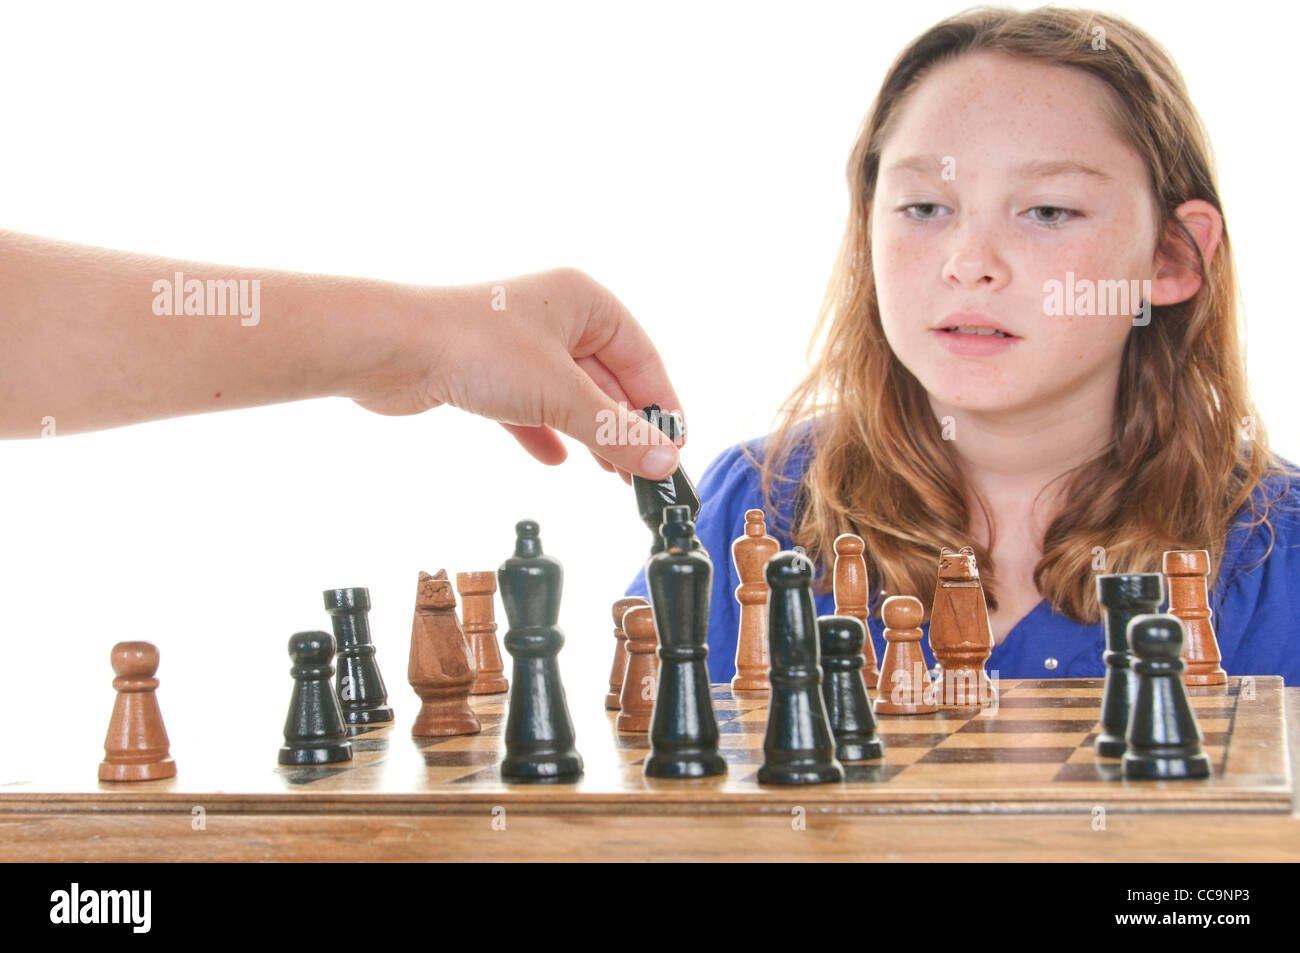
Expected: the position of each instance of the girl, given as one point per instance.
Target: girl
(985, 377)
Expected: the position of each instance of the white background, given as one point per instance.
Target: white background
(689, 156)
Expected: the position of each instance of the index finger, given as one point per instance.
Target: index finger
(618, 341)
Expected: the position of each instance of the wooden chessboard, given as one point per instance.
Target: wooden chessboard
(1033, 754)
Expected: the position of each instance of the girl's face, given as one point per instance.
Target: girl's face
(1003, 175)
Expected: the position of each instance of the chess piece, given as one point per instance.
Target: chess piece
(1189, 599)
(683, 728)
(619, 668)
(851, 588)
(637, 698)
(750, 553)
(362, 695)
(905, 687)
(845, 691)
(136, 746)
(798, 747)
(539, 734)
(441, 668)
(478, 620)
(676, 490)
(960, 635)
(1122, 597)
(314, 732)
(1164, 740)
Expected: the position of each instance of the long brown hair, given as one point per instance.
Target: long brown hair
(1178, 469)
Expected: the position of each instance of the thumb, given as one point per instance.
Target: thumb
(613, 431)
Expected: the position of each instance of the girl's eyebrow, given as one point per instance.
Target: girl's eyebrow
(1034, 169)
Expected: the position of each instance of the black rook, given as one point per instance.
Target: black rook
(361, 691)
(1122, 597)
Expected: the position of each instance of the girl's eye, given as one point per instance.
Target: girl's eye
(922, 211)
(1057, 216)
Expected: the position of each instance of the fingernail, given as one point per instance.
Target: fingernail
(660, 461)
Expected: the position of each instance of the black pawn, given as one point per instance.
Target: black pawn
(848, 709)
(539, 733)
(314, 732)
(798, 747)
(362, 694)
(1164, 741)
(653, 497)
(683, 728)
(1122, 597)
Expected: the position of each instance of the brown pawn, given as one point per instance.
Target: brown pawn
(613, 697)
(136, 747)
(1189, 599)
(442, 667)
(477, 609)
(750, 553)
(905, 687)
(960, 635)
(639, 682)
(851, 588)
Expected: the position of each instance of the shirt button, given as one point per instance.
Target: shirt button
(1050, 664)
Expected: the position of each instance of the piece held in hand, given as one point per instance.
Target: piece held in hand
(1164, 740)
(848, 709)
(478, 620)
(618, 670)
(362, 695)
(750, 553)
(960, 635)
(652, 496)
(314, 732)
(851, 592)
(798, 747)
(539, 734)
(1122, 596)
(136, 746)
(1189, 599)
(905, 687)
(683, 727)
(441, 668)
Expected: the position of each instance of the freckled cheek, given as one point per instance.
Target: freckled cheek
(1082, 339)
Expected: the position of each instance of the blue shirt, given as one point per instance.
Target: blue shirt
(1255, 603)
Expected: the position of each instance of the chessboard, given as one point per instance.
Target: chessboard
(1033, 753)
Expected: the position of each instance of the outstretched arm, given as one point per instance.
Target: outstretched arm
(92, 338)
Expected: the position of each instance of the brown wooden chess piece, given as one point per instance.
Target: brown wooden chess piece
(478, 620)
(960, 635)
(1189, 599)
(851, 589)
(136, 747)
(442, 666)
(750, 553)
(639, 682)
(905, 687)
(613, 698)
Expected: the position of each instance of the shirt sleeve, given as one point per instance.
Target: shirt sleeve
(1256, 605)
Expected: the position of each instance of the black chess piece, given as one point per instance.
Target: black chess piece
(798, 747)
(683, 728)
(314, 732)
(848, 709)
(1164, 740)
(653, 497)
(1122, 596)
(539, 733)
(362, 695)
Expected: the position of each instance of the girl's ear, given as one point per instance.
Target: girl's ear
(1177, 272)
